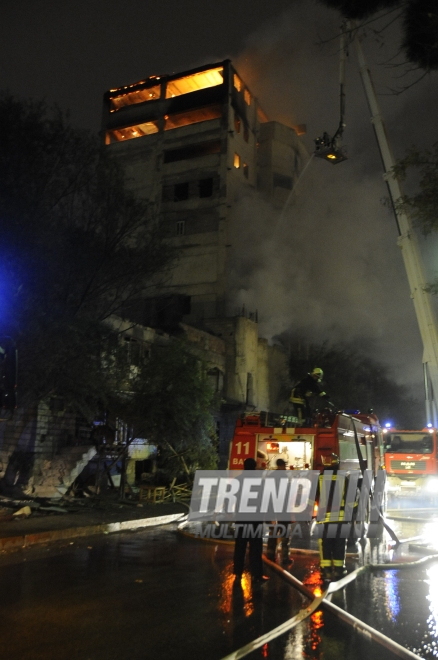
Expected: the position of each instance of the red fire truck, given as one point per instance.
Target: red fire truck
(411, 461)
(278, 436)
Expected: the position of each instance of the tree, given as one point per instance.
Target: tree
(353, 379)
(419, 20)
(170, 403)
(75, 248)
(422, 206)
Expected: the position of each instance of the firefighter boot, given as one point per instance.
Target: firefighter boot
(326, 574)
(286, 561)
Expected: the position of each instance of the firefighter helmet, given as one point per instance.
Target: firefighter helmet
(317, 372)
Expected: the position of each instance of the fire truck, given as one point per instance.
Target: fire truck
(411, 461)
(277, 436)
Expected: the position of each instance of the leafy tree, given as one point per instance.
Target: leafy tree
(419, 19)
(423, 205)
(75, 248)
(353, 379)
(170, 403)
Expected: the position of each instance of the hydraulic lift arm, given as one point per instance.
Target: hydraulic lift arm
(408, 244)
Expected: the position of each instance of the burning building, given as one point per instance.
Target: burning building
(192, 143)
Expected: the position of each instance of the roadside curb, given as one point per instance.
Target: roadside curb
(26, 540)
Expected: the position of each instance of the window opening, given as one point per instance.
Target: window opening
(139, 96)
(206, 187)
(216, 378)
(180, 227)
(180, 192)
(246, 134)
(249, 389)
(195, 82)
(245, 170)
(192, 116)
(236, 161)
(247, 97)
(237, 82)
(237, 123)
(130, 132)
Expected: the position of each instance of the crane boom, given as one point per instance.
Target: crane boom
(408, 243)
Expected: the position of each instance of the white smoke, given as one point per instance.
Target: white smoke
(328, 263)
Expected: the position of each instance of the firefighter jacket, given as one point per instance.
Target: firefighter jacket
(337, 502)
(306, 388)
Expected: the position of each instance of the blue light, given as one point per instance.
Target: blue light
(429, 426)
(388, 425)
(6, 288)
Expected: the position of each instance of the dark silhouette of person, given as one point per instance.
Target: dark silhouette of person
(273, 537)
(249, 534)
(309, 387)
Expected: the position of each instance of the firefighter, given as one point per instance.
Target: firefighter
(248, 535)
(333, 531)
(273, 532)
(303, 391)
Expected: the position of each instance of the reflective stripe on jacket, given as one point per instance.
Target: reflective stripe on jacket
(333, 488)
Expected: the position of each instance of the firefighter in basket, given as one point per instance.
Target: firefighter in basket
(309, 387)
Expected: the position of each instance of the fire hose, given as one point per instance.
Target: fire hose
(358, 625)
(322, 601)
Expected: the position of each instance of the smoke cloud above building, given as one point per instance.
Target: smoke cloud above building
(327, 263)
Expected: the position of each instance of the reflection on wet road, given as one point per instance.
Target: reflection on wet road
(160, 595)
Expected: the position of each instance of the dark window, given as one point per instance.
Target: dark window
(180, 228)
(246, 134)
(206, 187)
(249, 389)
(216, 379)
(245, 170)
(180, 192)
(192, 151)
(237, 123)
(282, 181)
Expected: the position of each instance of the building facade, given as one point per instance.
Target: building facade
(192, 144)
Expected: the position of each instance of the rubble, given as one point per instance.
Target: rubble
(24, 512)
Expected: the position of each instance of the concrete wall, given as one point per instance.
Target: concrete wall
(33, 444)
(255, 371)
(281, 158)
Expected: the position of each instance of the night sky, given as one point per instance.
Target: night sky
(329, 264)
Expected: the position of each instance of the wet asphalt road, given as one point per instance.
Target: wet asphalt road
(159, 595)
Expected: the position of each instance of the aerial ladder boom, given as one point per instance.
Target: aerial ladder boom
(408, 243)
